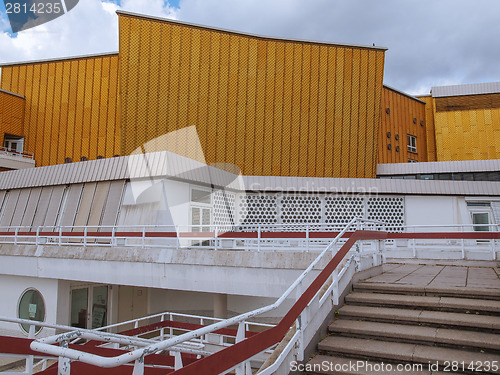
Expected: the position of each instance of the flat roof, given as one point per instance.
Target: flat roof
(439, 167)
(466, 89)
(127, 13)
(167, 165)
(54, 59)
(404, 93)
(370, 186)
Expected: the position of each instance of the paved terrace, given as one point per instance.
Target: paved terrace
(459, 278)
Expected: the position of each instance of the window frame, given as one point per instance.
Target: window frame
(411, 143)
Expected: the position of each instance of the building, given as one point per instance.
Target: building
(146, 157)
(328, 103)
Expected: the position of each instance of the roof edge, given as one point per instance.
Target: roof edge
(12, 93)
(404, 93)
(132, 14)
(54, 59)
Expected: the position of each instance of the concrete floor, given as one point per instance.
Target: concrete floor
(462, 275)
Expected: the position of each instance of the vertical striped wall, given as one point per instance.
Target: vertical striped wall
(468, 129)
(11, 115)
(429, 128)
(270, 106)
(401, 115)
(72, 107)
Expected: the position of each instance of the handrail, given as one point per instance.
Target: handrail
(44, 345)
(24, 154)
(244, 350)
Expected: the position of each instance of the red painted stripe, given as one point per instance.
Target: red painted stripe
(161, 234)
(128, 234)
(447, 235)
(197, 234)
(239, 235)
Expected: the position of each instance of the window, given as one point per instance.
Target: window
(31, 307)
(479, 218)
(13, 143)
(200, 196)
(412, 143)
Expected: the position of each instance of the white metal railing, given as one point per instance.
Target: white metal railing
(9, 152)
(202, 346)
(65, 354)
(252, 237)
(458, 241)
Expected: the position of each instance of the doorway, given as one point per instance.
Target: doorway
(89, 306)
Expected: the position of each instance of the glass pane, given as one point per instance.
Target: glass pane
(99, 306)
(79, 307)
(31, 307)
(200, 196)
(481, 218)
(195, 216)
(205, 220)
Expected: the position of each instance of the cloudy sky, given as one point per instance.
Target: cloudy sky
(431, 42)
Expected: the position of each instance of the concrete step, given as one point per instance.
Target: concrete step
(335, 365)
(381, 351)
(417, 334)
(419, 316)
(490, 307)
(460, 292)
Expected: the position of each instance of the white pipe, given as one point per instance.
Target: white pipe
(41, 346)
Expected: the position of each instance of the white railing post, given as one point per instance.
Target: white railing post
(216, 234)
(16, 231)
(241, 369)
(258, 237)
(178, 360)
(37, 238)
(162, 330)
(85, 236)
(30, 358)
(60, 235)
(382, 250)
(64, 365)
(138, 366)
(335, 289)
(113, 239)
(307, 238)
(462, 243)
(143, 237)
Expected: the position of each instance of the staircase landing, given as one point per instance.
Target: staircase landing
(442, 317)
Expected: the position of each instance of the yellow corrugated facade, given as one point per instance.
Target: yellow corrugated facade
(401, 115)
(11, 115)
(467, 134)
(72, 107)
(430, 136)
(272, 107)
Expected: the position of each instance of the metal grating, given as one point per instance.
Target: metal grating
(257, 209)
(342, 209)
(387, 209)
(297, 209)
(224, 205)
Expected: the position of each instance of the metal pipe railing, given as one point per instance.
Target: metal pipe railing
(45, 345)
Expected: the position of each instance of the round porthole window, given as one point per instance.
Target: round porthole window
(31, 307)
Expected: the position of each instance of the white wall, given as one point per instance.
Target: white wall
(436, 210)
(197, 303)
(144, 203)
(10, 294)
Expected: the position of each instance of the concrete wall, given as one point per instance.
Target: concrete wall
(10, 293)
(432, 210)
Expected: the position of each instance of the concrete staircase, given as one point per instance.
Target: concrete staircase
(400, 328)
